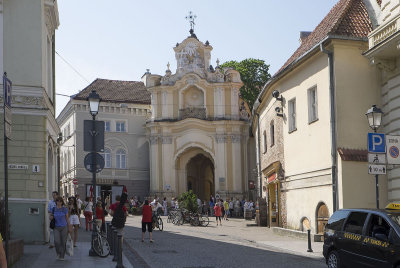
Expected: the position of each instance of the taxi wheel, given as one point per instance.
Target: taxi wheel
(333, 260)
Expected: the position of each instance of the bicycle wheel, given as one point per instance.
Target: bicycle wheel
(101, 246)
(160, 224)
(204, 220)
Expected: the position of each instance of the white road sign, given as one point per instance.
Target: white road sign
(393, 149)
(376, 158)
(376, 169)
(17, 166)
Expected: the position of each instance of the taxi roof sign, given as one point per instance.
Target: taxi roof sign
(393, 206)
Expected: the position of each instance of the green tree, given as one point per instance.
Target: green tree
(254, 74)
(188, 200)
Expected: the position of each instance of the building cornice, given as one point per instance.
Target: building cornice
(51, 16)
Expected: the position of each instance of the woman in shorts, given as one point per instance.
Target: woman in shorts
(73, 213)
(147, 220)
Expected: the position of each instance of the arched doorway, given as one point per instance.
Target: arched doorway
(200, 176)
(322, 217)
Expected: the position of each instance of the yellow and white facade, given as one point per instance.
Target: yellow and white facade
(198, 132)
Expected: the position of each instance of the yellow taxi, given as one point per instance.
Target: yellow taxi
(363, 238)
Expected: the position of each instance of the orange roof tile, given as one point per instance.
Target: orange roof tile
(353, 154)
(347, 18)
(117, 91)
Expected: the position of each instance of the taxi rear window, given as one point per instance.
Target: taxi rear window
(337, 219)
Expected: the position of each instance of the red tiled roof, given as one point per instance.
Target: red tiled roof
(117, 91)
(353, 154)
(347, 18)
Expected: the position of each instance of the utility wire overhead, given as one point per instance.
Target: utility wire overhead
(72, 67)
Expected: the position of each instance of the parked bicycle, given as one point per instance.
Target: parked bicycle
(100, 243)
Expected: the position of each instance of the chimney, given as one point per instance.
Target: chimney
(303, 36)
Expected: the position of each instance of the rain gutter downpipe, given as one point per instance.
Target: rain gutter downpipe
(333, 125)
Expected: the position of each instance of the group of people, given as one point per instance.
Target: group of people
(229, 207)
(67, 218)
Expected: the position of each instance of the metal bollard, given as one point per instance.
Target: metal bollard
(108, 230)
(309, 241)
(111, 242)
(119, 258)
(115, 238)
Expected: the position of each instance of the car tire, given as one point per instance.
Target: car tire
(333, 260)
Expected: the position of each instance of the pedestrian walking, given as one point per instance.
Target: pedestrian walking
(73, 217)
(62, 227)
(147, 220)
(165, 206)
(88, 212)
(3, 259)
(173, 203)
(100, 217)
(231, 208)
(217, 212)
(211, 205)
(50, 206)
(226, 208)
(119, 212)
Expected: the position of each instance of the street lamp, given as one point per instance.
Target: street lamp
(94, 101)
(374, 116)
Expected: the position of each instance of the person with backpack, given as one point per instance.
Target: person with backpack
(119, 212)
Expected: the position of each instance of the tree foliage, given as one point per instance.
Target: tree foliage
(254, 74)
(188, 200)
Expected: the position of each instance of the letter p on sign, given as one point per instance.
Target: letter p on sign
(376, 143)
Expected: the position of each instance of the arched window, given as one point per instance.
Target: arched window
(272, 133)
(121, 158)
(265, 141)
(107, 158)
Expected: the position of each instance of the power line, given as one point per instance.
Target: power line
(72, 67)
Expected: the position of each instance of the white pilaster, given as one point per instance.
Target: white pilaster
(167, 162)
(221, 165)
(219, 103)
(154, 170)
(237, 163)
(154, 104)
(235, 103)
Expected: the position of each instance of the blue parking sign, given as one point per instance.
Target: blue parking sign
(376, 143)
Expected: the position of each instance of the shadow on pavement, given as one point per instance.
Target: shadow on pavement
(177, 250)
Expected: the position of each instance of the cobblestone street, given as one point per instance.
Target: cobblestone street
(232, 245)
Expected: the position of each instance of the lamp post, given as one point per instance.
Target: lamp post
(374, 116)
(94, 101)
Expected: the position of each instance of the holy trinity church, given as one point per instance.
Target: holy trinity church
(199, 128)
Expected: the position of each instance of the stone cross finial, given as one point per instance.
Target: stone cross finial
(217, 62)
(168, 66)
(191, 18)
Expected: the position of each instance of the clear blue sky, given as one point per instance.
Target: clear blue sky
(120, 39)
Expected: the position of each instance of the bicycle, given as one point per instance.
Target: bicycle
(157, 222)
(99, 243)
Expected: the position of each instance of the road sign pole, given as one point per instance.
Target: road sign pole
(377, 191)
(91, 251)
(6, 102)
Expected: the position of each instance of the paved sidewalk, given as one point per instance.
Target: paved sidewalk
(42, 256)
